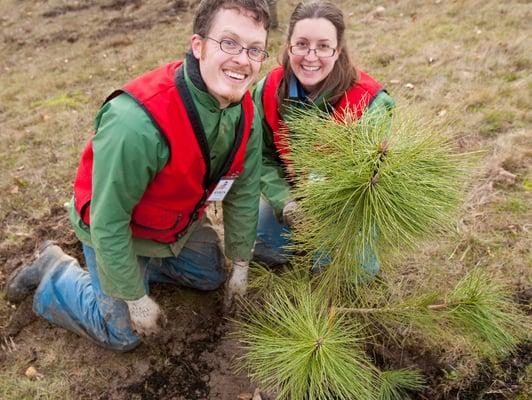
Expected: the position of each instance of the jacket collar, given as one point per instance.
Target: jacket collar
(193, 73)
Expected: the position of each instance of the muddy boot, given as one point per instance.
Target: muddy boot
(25, 279)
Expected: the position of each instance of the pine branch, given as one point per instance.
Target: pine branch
(432, 307)
(478, 308)
(373, 186)
(296, 347)
(366, 191)
(396, 384)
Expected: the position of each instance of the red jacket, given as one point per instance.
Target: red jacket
(355, 100)
(177, 195)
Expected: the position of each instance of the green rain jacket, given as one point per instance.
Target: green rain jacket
(127, 140)
(274, 186)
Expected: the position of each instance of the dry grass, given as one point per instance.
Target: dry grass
(467, 63)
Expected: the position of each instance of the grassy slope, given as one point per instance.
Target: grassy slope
(468, 62)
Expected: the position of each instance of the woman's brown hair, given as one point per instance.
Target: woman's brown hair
(343, 74)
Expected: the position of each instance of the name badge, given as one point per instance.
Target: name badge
(221, 189)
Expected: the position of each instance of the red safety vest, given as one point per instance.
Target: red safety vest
(177, 195)
(355, 100)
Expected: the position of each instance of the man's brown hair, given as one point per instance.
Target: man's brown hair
(207, 9)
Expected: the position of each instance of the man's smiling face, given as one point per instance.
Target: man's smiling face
(227, 76)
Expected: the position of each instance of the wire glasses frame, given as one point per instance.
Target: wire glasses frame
(231, 47)
(323, 52)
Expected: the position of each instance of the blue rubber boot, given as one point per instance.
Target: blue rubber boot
(25, 279)
(72, 298)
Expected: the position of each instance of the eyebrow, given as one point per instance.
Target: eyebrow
(307, 39)
(234, 35)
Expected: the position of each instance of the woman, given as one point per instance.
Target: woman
(316, 68)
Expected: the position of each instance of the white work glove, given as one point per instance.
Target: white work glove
(290, 211)
(145, 316)
(237, 284)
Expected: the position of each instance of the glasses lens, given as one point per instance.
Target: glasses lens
(257, 54)
(325, 52)
(230, 47)
(299, 50)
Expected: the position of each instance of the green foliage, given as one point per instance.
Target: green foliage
(481, 309)
(379, 185)
(399, 180)
(68, 100)
(262, 280)
(296, 346)
(395, 384)
(376, 307)
(495, 121)
(478, 310)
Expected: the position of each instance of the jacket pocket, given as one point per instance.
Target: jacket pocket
(155, 218)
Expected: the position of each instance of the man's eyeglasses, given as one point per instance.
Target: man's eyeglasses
(229, 46)
(320, 51)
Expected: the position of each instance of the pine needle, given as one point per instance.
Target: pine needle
(481, 309)
(370, 187)
(296, 347)
(478, 309)
(396, 384)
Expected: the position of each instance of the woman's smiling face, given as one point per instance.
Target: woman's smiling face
(312, 33)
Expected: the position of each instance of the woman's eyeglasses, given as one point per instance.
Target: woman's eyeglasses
(320, 51)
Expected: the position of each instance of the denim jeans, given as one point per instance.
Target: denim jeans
(72, 298)
(273, 238)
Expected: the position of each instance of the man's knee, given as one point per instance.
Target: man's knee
(215, 279)
(208, 272)
(217, 273)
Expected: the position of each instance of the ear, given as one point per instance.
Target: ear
(337, 54)
(196, 44)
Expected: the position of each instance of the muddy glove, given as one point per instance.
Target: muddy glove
(145, 316)
(237, 284)
(290, 211)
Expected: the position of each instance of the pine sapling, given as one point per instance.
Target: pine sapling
(369, 188)
(295, 346)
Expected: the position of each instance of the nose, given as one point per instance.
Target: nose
(242, 58)
(311, 55)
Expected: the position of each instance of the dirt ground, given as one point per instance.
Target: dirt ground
(59, 60)
(192, 360)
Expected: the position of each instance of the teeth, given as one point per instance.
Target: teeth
(235, 75)
(309, 68)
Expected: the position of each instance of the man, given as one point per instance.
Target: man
(166, 145)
